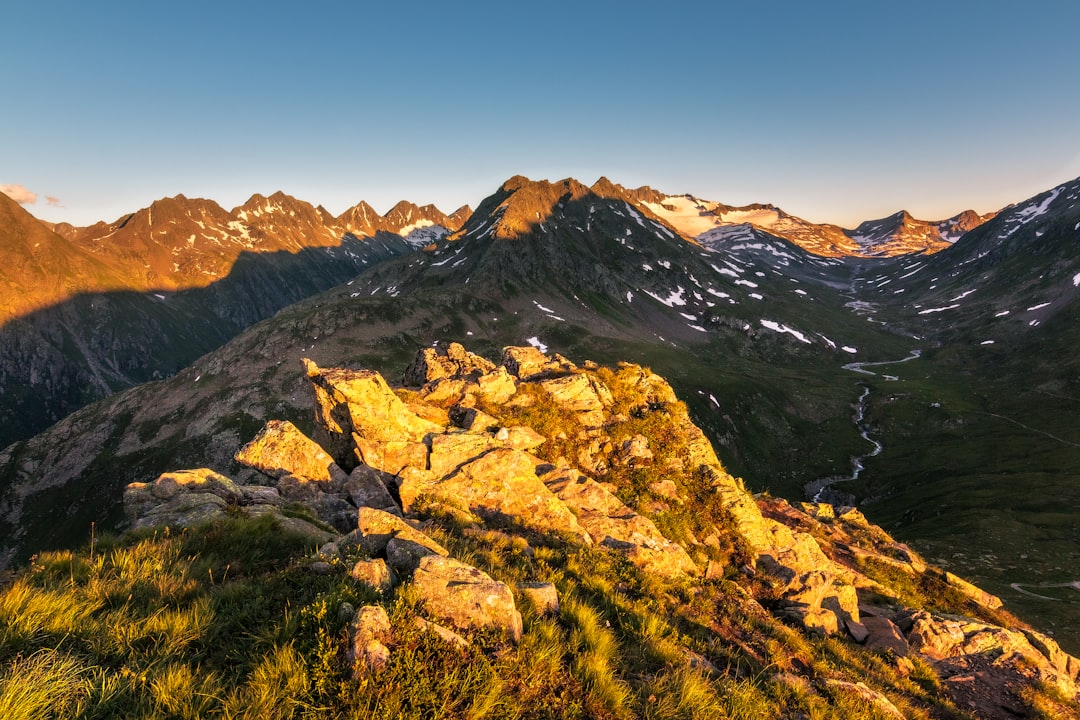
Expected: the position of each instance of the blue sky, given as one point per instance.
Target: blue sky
(834, 111)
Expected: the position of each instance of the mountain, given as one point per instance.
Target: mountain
(901, 234)
(965, 450)
(115, 304)
(41, 266)
(898, 234)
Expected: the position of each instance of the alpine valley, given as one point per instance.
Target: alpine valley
(923, 372)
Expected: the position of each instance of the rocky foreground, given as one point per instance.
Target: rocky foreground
(541, 453)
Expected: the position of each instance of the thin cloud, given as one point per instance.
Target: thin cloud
(53, 201)
(19, 194)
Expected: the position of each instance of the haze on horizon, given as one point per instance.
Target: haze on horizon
(836, 112)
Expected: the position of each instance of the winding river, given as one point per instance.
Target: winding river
(816, 490)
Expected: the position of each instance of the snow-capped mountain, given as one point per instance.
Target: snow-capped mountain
(898, 234)
(902, 234)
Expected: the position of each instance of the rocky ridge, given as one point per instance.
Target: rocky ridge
(551, 454)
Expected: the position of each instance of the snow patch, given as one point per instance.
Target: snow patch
(987, 342)
(777, 327)
(849, 349)
(675, 297)
(962, 295)
(1031, 212)
(535, 342)
(547, 310)
(1003, 313)
(937, 310)
(1038, 307)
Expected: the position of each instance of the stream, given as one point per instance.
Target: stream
(819, 490)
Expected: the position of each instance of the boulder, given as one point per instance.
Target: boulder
(524, 363)
(936, 638)
(368, 487)
(404, 555)
(496, 386)
(138, 500)
(519, 437)
(975, 593)
(466, 597)
(369, 631)
(298, 526)
(1058, 658)
(375, 528)
(857, 631)
(261, 495)
(199, 480)
(280, 449)
(843, 600)
(184, 510)
(577, 393)
(300, 489)
(163, 497)
(376, 412)
(447, 392)
(543, 596)
(359, 402)
(817, 619)
(321, 567)
(391, 456)
(449, 362)
(333, 425)
(375, 574)
(883, 634)
(336, 512)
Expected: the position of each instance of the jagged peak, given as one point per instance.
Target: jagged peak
(606, 188)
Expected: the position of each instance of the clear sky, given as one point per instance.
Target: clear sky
(835, 111)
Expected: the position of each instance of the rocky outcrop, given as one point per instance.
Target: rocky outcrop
(357, 406)
(452, 362)
(280, 449)
(375, 530)
(188, 498)
(592, 472)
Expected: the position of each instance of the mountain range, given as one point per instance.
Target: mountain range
(937, 355)
(88, 311)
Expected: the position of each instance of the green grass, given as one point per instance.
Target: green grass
(225, 621)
